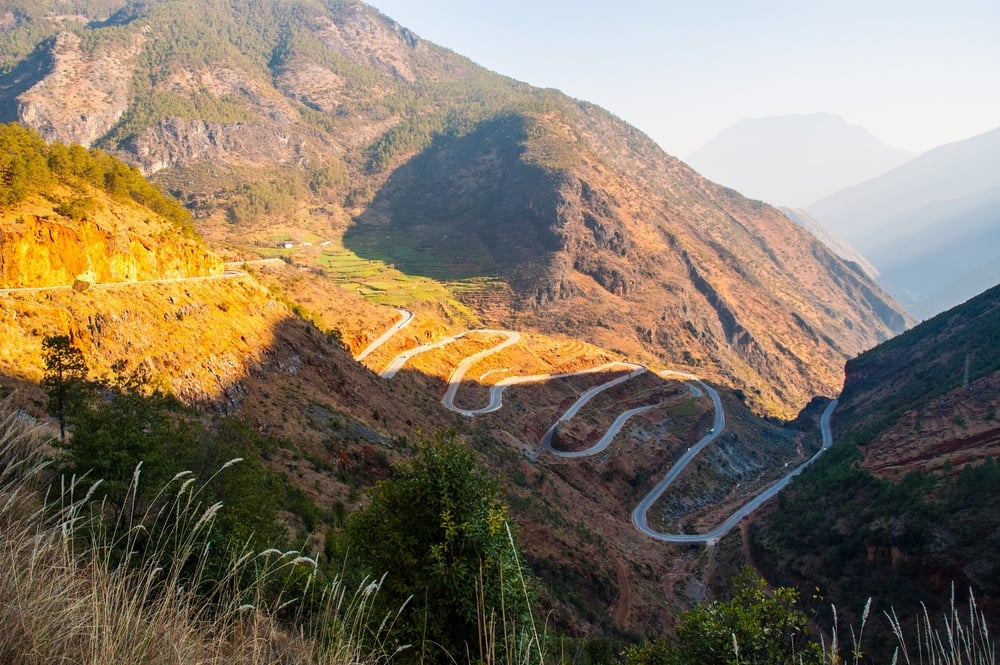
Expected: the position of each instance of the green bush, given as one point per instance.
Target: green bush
(439, 531)
(755, 626)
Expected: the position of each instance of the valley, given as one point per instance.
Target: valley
(258, 341)
(301, 234)
(545, 445)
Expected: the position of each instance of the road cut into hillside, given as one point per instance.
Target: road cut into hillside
(640, 515)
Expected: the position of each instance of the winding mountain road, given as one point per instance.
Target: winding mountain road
(640, 516)
(397, 363)
(406, 317)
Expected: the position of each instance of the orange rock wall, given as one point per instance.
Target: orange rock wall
(38, 252)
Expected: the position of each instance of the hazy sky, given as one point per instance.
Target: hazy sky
(916, 74)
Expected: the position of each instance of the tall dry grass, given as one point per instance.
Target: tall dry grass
(80, 585)
(501, 640)
(963, 638)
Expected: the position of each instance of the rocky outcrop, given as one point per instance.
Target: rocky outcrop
(37, 252)
(177, 142)
(82, 95)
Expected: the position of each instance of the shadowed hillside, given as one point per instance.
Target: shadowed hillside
(907, 501)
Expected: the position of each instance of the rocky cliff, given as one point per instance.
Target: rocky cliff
(39, 250)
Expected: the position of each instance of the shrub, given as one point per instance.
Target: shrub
(440, 530)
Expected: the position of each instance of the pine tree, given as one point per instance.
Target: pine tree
(65, 377)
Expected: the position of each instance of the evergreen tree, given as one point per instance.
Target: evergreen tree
(65, 377)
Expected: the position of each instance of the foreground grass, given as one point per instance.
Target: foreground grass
(77, 587)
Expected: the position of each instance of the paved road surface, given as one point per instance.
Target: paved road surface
(639, 515)
(228, 274)
(397, 363)
(406, 317)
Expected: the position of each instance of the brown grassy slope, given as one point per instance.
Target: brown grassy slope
(225, 345)
(228, 344)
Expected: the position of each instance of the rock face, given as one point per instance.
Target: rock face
(662, 263)
(37, 252)
(82, 95)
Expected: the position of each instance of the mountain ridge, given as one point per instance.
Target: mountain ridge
(318, 117)
(590, 185)
(929, 226)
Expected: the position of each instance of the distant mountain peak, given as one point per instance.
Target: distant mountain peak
(794, 160)
(331, 118)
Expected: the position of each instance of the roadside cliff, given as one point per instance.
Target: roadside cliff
(112, 242)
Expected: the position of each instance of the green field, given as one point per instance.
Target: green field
(685, 409)
(383, 283)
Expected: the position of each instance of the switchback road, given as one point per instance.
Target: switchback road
(406, 317)
(640, 516)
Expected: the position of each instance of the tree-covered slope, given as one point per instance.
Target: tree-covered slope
(907, 501)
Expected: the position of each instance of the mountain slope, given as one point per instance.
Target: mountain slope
(831, 240)
(333, 118)
(953, 171)
(907, 502)
(948, 355)
(264, 341)
(946, 254)
(674, 266)
(794, 160)
(930, 226)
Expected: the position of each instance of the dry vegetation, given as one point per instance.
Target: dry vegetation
(70, 596)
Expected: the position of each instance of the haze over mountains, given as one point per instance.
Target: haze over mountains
(926, 227)
(794, 160)
(931, 226)
(384, 169)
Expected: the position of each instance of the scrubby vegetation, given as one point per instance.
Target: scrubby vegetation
(152, 497)
(83, 584)
(858, 535)
(922, 364)
(758, 626)
(441, 529)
